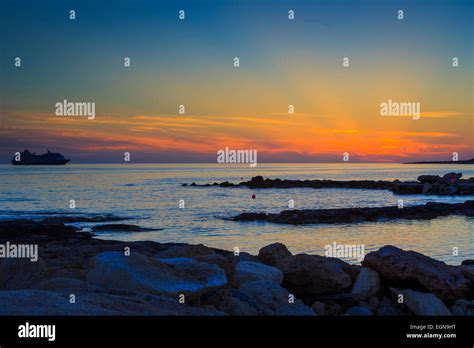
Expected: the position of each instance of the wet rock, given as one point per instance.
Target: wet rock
(84, 218)
(366, 284)
(420, 303)
(409, 269)
(397, 187)
(273, 254)
(273, 299)
(359, 311)
(247, 271)
(467, 262)
(430, 210)
(407, 188)
(261, 183)
(121, 228)
(308, 276)
(29, 231)
(156, 276)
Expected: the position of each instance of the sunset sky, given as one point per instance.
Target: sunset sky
(282, 62)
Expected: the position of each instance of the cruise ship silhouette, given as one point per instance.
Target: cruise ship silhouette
(31, 158)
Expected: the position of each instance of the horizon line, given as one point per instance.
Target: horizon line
(247, 164)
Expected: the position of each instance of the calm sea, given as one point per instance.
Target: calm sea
(150, 195)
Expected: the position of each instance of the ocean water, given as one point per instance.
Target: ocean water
(149, 195)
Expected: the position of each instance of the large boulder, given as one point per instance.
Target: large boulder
(114, 270)
(273, 254)
(272, 299)
(420, 303)
(248, 271)
(308, 276)
(366, 284)
(36, 302)
(409, 269)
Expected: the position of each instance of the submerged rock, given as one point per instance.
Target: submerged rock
(458, 186)
(261, 183)
(84, 218)
(121, 228)
(430, 210)
(33, 231)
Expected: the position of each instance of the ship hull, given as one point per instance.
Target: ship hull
(40, 163)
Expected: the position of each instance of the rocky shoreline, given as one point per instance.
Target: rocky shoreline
(449, 184)
(108, 277)
(430, 210)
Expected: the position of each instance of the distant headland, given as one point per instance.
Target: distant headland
(470, 161)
